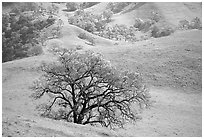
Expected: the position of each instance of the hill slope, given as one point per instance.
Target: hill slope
(171, 13)
(21, 119)
(171, 66)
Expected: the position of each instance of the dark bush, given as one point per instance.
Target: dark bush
(143, 25)
(84, 36)
(157, 32)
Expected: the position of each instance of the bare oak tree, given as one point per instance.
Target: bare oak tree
(88, 90)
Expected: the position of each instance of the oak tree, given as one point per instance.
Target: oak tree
(86, 89)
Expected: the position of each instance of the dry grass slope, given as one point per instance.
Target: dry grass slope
(171, 66)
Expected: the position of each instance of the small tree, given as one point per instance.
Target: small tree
(88, 90)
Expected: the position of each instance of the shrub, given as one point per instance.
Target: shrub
(143, 25)
(89, 90)
(79, 47)
(138, 23)
(155, 31)
(161, 32)
(84, 36)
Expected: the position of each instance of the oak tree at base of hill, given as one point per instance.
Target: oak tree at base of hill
(85, 89)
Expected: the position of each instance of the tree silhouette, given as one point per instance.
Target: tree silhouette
(86, 89)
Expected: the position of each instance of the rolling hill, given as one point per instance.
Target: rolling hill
(171, 13)
(171, 67)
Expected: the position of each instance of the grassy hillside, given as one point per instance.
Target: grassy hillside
(174, 61)
(155, 59)
(171, 13)
(171, 67)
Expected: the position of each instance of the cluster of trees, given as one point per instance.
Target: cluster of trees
(119, 32)
(34, 9)
(89, 21)
(85, 89)
(195, 23)
(150, 25)
(96, 24)
(21, 32)
(24, 6)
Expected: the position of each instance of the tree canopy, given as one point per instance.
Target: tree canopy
(86, 89)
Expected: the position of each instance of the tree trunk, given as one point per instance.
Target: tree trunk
(75, 117)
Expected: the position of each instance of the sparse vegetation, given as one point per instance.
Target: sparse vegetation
(119, 32)
(195, 23)
(85, 89)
